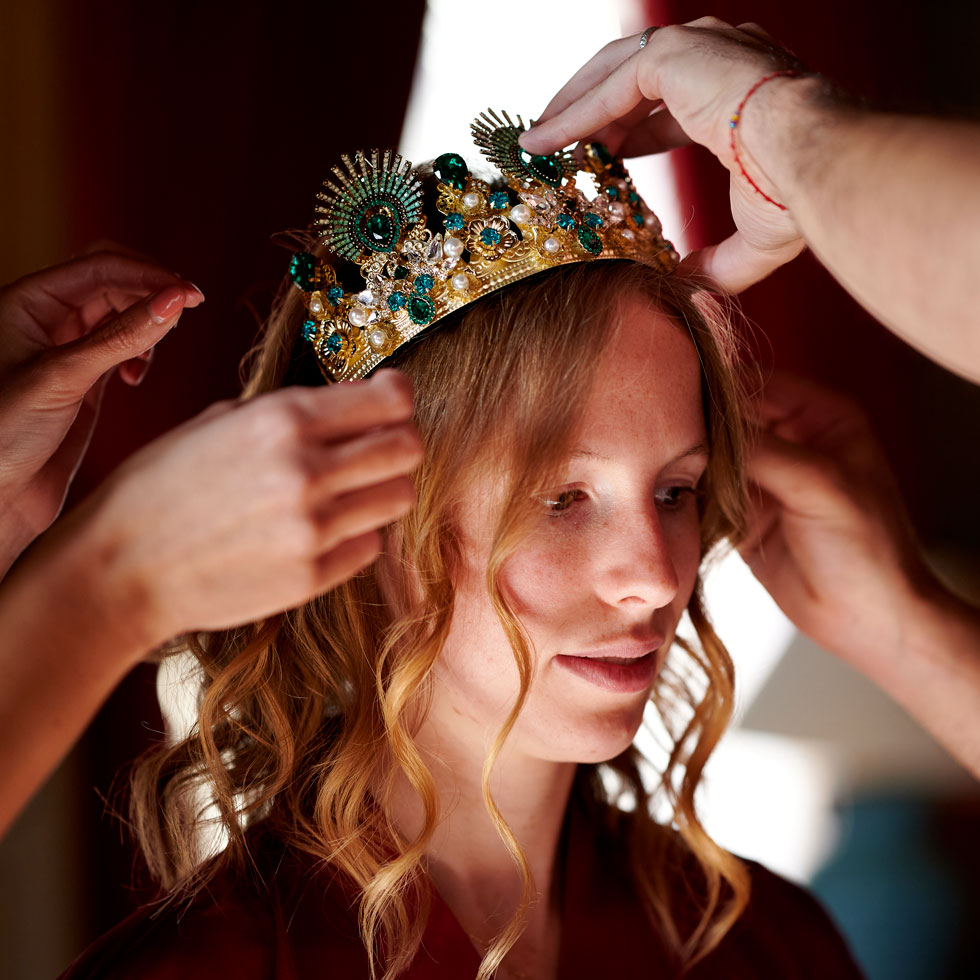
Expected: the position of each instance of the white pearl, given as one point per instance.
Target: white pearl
(616, 208)
(520, 214)
(366, 298)
(316, 305)
(453, 247)
(378, 338)
(627, 234)
(461, 282)
(358, 316)
(470, 200)
(552, 245)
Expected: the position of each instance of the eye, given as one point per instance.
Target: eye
(674, 498)
(559, 502)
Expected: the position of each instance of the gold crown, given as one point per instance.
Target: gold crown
(413, 277)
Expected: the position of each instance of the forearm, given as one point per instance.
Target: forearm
(890, 204)
(69, 632)
(933, 671)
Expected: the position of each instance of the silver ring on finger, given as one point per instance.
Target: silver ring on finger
(647, 34)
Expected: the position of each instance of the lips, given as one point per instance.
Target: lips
(622, 669)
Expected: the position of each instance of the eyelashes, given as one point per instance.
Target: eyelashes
(670, 498)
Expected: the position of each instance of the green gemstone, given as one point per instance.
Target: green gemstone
(401, 271)
(546, 169)
(302, 271)
(612, 192)
(334, 343)
(420, 308)
(309, 329)
(378, 229)
(589, 240)
(451, 169)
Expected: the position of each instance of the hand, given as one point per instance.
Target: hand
(254, 507)
(63, 331)
(682, 88)
(828, 535)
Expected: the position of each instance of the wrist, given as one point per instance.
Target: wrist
(86, 564)
(782, 130)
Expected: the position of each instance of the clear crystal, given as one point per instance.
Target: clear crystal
(434, 253)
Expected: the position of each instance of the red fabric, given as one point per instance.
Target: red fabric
(304, 925)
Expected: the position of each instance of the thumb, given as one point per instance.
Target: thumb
(79, 365)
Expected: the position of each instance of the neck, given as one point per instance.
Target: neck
(468, 862)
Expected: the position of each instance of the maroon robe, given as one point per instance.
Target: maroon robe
(298, 922)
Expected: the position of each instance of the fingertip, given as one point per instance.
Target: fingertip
(193, 294)
(166, 303)
(396, 381)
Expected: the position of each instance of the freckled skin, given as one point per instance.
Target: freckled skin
(617, 564)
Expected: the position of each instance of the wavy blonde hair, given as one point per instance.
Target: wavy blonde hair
(296, 711)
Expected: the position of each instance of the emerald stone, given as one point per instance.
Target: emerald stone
(334, 343)
(565, 221)
(547, 169)
(303, 271)
(420, 308)
(589, 240)
(640, 220)
(424, 282)
(454, 222)
(396, 301)
(451, 169)
(593, 220)
(612, 192)
(490, 236)
(378, 229)
(401, 271)
(499, 200)
(309, 329)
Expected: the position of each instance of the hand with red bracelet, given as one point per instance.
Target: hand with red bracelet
(63, 331)
(684, 86)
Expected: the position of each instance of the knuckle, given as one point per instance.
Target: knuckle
(274, 422)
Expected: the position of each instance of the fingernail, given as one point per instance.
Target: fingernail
(197, 289)
(167, 303)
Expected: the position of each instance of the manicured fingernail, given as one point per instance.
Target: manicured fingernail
(197, 289)
(167, 303)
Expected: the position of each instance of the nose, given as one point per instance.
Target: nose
(636, 566)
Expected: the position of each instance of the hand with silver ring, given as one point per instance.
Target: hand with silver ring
(681, 86)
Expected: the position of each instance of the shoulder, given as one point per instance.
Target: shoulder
(785, 932)
(261, 926)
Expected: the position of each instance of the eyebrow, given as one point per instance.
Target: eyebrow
(699, 449)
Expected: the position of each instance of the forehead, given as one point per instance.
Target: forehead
(647, 383)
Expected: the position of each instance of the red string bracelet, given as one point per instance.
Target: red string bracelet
(734, 121)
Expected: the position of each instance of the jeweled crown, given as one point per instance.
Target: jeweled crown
(372, 215)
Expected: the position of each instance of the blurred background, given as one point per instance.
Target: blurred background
(196, 131)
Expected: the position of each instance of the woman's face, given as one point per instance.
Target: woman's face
(604, 576)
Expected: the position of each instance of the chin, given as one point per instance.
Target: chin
(598, 737)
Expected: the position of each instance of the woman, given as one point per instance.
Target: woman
(415, 771)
